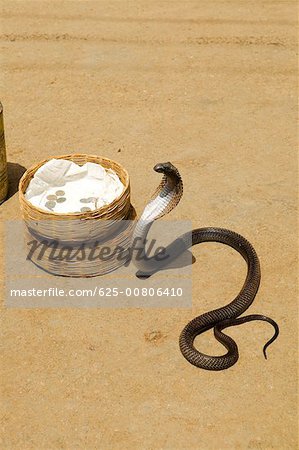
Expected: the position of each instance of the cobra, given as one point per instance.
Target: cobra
(166, 197)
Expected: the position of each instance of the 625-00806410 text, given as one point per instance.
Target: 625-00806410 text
(99, 292)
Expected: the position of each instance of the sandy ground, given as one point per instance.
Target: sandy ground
(210, 86)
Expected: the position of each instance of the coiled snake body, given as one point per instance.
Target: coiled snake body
(165, 198)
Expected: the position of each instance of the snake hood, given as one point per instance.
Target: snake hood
(167, 195)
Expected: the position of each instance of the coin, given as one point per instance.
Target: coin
(88, 200)
(59, 193)
(50, 205)
(61, 200)
(51, 197)
(85, 209)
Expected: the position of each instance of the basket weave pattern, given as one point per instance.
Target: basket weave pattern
(84, 227)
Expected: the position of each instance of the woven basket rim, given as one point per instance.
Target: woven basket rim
(69, 156)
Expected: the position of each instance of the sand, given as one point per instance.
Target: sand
(210, 86)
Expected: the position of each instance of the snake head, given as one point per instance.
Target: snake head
(170, 171)
(167, 195)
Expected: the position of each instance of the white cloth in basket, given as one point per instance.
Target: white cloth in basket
(61, 186)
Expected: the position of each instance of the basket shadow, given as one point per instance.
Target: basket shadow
(15, 172)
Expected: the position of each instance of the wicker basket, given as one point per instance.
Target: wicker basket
(103, 225)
